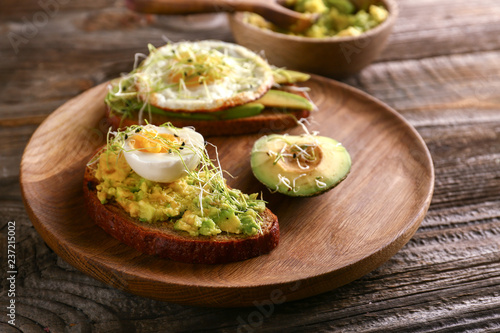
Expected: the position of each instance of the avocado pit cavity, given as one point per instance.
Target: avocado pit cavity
(301, 158)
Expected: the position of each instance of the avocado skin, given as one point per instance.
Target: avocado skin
(333, 167)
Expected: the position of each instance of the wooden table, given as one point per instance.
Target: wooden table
(440, 71)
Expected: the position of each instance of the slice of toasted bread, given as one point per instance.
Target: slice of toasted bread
(162, 240)
(268, 121)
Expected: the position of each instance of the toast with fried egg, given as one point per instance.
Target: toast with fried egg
(217, 87)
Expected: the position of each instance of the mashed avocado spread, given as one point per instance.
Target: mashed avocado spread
(193, 206)
(337, 18)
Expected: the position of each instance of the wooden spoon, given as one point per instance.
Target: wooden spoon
(272, 10)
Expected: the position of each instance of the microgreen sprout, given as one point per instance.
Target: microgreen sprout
(285, 181)
(319, 183)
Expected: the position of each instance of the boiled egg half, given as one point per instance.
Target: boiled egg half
(163, 153)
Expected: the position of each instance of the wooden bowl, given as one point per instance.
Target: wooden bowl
(335, 57)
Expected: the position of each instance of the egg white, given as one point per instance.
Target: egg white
(166, 167)
(247, 77)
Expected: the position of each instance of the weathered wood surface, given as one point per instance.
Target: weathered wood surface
(440, 71)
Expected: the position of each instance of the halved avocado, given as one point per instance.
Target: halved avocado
(299, 166)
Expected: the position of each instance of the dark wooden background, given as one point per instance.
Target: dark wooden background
(441, 71)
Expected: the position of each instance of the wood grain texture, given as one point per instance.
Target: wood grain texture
(325, 241)
(440, 71)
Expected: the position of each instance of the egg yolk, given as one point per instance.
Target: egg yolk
(197, 69)
(154, 142)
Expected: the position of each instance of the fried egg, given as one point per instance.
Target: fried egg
(202, 76)
(163, 153)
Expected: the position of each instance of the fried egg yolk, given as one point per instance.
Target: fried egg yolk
(163, 154)
(191, 70)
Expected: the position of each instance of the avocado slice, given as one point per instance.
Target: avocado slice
(272, 98)
(283, 99)
(299, 166)
(241, 111)
(284, 76)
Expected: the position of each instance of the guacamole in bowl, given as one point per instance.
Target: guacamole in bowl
(336, 18)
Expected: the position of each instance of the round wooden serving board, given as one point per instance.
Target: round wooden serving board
(326, 241)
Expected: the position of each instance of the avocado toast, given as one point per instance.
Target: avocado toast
(219, 88)
(194, 217)
(161, 239)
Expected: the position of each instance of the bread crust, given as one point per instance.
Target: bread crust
(267, 122)
(162, 240)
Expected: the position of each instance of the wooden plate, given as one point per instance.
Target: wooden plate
(326, 241)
